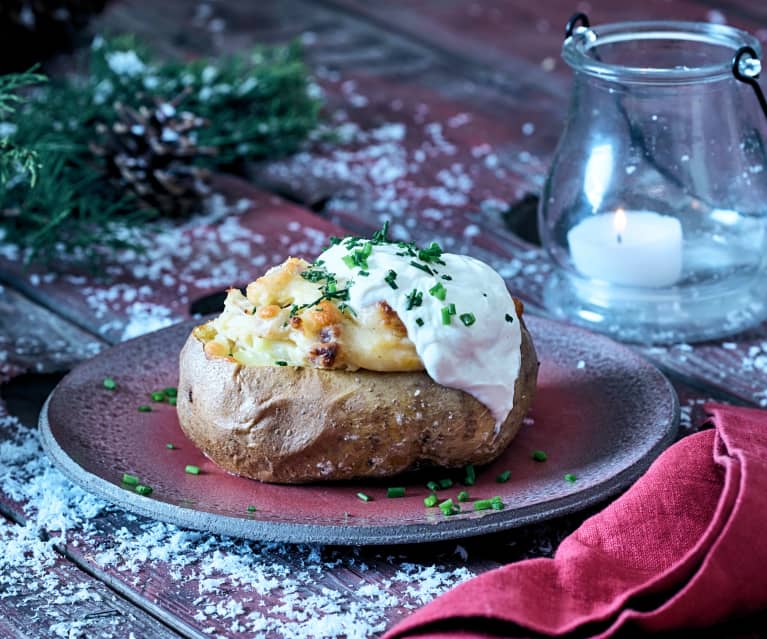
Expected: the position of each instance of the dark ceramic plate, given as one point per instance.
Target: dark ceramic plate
(601, 413)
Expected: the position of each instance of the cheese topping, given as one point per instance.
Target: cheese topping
(381, 306)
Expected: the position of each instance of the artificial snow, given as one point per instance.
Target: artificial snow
(273, 589)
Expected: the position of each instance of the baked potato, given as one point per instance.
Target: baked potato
(291, 386)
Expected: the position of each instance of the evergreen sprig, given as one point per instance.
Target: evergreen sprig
(58, 196)
(17, 163)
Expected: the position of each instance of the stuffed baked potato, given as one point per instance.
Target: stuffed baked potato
(316, 372)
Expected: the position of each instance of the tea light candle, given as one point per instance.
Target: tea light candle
(630, 248)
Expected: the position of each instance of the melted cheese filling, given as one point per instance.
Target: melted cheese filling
(383, 307)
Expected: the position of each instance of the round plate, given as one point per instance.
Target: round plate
(601, 413)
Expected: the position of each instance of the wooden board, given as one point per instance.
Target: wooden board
(35, 339)
(441, 99)
(53, 598)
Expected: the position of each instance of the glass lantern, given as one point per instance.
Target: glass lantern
(654, 210)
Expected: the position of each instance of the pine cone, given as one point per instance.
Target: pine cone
(32, 30)
(151, 151)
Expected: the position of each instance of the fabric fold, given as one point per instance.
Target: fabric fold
(683, 548)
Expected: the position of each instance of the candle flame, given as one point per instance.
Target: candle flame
(620, 221)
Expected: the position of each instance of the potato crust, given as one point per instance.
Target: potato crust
(296, 425)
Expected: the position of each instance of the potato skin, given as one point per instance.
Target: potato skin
(296, 425)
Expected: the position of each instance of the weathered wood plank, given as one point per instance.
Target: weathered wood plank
(515, 37)
(388, 81)
(44, 595)
(35, 339)
(65, 602)
(235, 588)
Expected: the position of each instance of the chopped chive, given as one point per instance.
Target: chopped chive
(419, 321)
(144, 409)
(390, 277)
(430, 501)
(463, 496)
(449, 508)
(130, 480)
(413, 299)
(451, 309)
(395, 491)
(281, 362)
(509, 318)
(433, 486)
(172, 401)
(251, 509)
(332, 287)
(438, 291)
(363, 273)
(192, 470)
(447, 277)
(471, 476)
(141, 489)
(503, 477)
(570, 477)
(431, 254)
(364, 497)
(158, 396)
(171, 391)
(334, 240)
(109, 383)
(539, 456)
(467, 318)
(382, 234)
(483, 504)
(348, 260)
(422, 267)
(445, 483)
(446, 315)
(170, 446)
(497, 504)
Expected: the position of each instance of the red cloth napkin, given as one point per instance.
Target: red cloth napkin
(685, 547)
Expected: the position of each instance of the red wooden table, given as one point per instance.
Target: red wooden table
(449, 112)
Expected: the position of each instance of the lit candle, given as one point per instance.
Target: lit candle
(630, 248)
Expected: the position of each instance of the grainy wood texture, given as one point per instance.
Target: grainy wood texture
(449, 112)
(62, 601)
(42, 593)
(34, 339)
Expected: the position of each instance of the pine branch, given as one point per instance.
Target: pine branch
(60, 193)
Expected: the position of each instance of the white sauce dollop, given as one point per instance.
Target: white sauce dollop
(482, 359)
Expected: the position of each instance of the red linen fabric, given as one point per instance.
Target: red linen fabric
(685, 547)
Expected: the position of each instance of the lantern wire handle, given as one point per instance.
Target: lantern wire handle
(577, 19)
(749, 73)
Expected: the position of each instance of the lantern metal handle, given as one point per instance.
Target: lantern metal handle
(577, 19)
(740, 66)
(749, 75)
